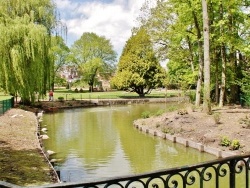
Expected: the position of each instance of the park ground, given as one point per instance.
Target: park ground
(21, 159)
(227, 125)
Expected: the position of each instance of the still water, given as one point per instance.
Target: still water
(101, 142)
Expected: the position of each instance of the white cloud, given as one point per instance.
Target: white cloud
(114, 20)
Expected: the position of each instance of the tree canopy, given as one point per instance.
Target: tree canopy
(94, 55)
(26, 27)
(176, 29)
(138, 69)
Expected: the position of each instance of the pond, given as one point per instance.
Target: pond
(101, 142)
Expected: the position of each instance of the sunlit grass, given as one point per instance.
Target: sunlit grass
(4, 96)
(71, 94)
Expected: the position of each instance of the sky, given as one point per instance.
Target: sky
(112, 19)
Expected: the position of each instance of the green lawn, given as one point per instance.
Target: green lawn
(4, 96)
(70, 94)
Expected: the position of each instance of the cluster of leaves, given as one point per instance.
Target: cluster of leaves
(234, 144)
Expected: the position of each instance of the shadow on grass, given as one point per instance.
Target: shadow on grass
(23, 167)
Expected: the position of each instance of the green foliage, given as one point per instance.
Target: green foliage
(94, 55)
(60, 53)
(145, 114)
(235, 144)
(172, 108)
(225, 141)
(61, 99)
(159, 112)
(138, 68)
(217, 117)
(176, 29)
(26, 27)
(60, 81)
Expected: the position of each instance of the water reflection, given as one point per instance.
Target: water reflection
(101, 142)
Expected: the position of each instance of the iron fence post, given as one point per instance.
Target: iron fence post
(232, 173)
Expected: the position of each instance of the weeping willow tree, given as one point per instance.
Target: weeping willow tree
(26, 27)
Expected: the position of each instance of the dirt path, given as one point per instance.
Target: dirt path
(21, 161)
(233, 125)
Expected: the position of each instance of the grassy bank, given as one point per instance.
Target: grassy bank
(21, 160)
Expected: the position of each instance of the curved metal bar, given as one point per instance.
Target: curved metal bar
(155, 185)
(190, 179)
(239, 164)
(111, 184)
(133, 181)
(174, 182)
(221, 171)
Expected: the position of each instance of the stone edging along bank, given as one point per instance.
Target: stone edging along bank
(44, 153)
(188, 143)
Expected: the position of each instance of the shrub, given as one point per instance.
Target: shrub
(159, 112)
(235, 145)
(61, 99)
(217, 117)
(145, 114)
(225, 141)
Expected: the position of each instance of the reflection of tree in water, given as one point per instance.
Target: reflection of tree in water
(148, 154)
(138, 149)
(90, 136)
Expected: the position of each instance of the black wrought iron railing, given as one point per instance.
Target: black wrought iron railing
(231, 172)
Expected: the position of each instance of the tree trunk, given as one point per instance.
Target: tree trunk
(223, 76)
(201, 64)
(233, 86)
(206, 97)
(191, 53)
(200, 75)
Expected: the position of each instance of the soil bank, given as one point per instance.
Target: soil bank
(21, 159)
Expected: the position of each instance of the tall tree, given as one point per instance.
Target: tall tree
(94, 55)
(26, 27)
(206, 98)
(138, 67)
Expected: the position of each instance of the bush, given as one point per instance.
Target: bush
(159, 112)
(235, 145)
(61, 99)
(225, 141)
(217, 117)
(145, 114)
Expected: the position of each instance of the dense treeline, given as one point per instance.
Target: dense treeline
(176, 28)
(206, 44)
